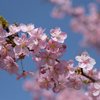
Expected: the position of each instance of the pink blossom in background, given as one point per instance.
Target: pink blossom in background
(92, 93)
(57, 1)
(56, 13)
(68, 93)
(96, 91)
(24, 75)
(71, 94)
(79, 11)
(36, 91)
(81, 22)
(44, 83)
(74, 82)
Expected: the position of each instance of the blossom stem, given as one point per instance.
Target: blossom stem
(22, 66)
(58, 60)
(87, 76)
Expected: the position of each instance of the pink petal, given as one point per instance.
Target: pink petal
(97, 85)
(51, 62)
(18, 49)
(43, 61)
(63, 35)
(96, 92)
(26, 51)
(17, 40)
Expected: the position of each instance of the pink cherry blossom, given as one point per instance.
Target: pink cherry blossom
(36, 45)
(62, 49)
(74, 82)
(85, 61)
(47, 57)
(57, 35)
(68, 68)
(2, 35)
(72, 94)
(11, 66)
(21, 45)
(37, 40)
(56, 70)
(59, 86)
(96, 91)
(2, 32)
(79, 11)
(38, 34)
(27, 28)
(13, 28)
(6, 51)
(28, 86)
(44, 83)
(1, 65)
(52, 45)
(56, 13)
(24, 75)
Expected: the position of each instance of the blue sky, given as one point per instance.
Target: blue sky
(38, 13)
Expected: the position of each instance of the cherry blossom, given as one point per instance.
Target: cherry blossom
(52, 46)
(56, 70)
(11, 66)
(96, 91)
(57, 35)
(6, 51)
(85, 61)
(27, 28)
(74, 82)
(13, 28)
(53, 73)
(44, 83)
(24, 75)
(47, 57)
(21, 45)
(38, 34)
(2, 32)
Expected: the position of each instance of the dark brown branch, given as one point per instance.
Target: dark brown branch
(58, 60)
(82, 73)
(6, 28)
(87, 76)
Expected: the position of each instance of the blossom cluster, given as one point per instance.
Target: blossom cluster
(53, 73)
(14, 48)
(82, 23)
(42, 94)
(65, 7)
(88, 27)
